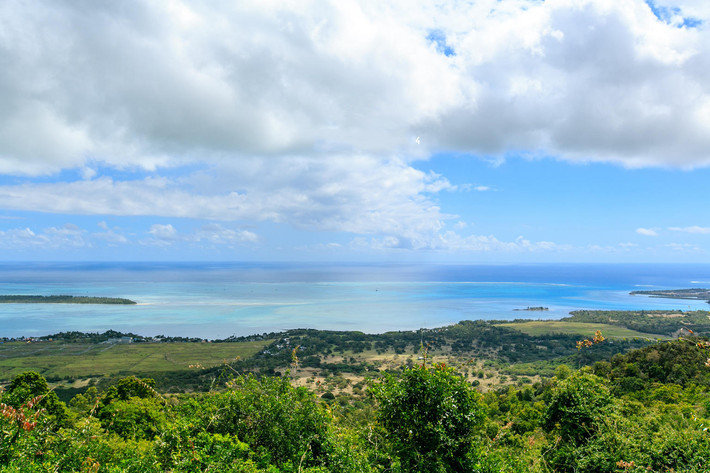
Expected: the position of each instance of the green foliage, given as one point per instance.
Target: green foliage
(30, 386)
(429, 416)
(418, 419)
(130, 387)
(286, 423)
(24, 387)
(135, 418)
(577, 408)
(647, 321)
(680, 362)
(563, 372)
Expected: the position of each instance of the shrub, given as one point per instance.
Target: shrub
(31, 385)
(429, 416)
(282, 423)
(577, 407)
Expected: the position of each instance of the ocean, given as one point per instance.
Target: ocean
(216, 300)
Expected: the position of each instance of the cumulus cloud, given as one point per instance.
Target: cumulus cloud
(647, 231)
(212, 234)
(692, 229)
(450, 241)
(351, 194)
(70, 236)
(217, 234)
(66, 236)
(162, 235)
(112, 236)
(154, 84)
(312, 113)
(685, 248)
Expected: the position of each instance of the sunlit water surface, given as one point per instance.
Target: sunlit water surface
(219, 300)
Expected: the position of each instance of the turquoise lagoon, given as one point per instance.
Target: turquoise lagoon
(216, 300)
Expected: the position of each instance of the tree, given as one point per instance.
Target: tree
(429, 416)
(32, 385)
(576, 413)
(577, 408)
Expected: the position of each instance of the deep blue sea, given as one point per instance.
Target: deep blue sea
(216, 300)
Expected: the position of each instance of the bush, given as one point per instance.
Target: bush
(429, 416)
(577, 407)
(282, 424)
(29, 386)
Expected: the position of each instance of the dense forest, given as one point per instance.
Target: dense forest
(644, 410)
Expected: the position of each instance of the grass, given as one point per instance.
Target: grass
(80, 360)
(583, 329)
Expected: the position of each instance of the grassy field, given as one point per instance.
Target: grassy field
(576, 328)
(79, 360)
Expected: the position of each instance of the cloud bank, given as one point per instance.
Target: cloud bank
(155, 84)
(315, 113)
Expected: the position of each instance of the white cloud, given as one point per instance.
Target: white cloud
(628, 246)
(675, 12)
(162, 83)
(692, 229)
(217, 234)
(163, 233)
(685, 248)
(307, 113)
(66, 236)
(71, 236)
(211, 234)
(112, 236)
(453, 242)
(647, 231)
(360, 194)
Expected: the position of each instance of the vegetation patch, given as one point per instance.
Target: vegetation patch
(642, 411)
(61, 299)
(57, 360)
(582, 329)
(647, 321)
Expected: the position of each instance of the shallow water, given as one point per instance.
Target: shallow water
(215, 300)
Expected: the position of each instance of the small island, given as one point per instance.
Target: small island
(62, 299)
(534, 308)
(697, 294)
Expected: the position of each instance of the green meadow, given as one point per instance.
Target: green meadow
(83, 360)
(583, 329)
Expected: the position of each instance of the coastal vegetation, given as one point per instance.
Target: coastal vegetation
(477, 396)
(495, 353)
(62, 299)
(664, 322)
(693, 294)
(620, 415)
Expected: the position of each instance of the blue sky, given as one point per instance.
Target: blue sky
(591, 212)
(486, 131)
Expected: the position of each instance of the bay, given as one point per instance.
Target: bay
(216, 300)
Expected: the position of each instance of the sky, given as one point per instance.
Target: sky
(492, 131)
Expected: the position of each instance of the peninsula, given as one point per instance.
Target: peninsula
(62, 299)
(694, 294)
